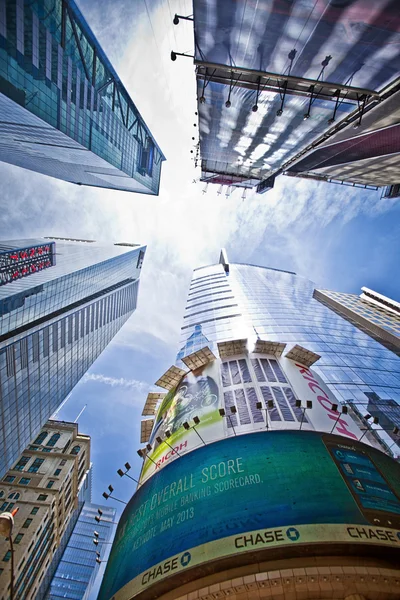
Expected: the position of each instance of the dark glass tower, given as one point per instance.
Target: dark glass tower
(64, 111)
(54, 324)
(78, 573)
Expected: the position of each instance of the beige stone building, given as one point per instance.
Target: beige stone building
(45, 484)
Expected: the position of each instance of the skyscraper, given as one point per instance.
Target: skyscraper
(64, 111)
(368, 154)
(78, 572)
(49, 484)
(256, 480)
(372, 312)
(54, 323)
(281, 82)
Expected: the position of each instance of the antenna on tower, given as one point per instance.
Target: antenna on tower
(80, 413)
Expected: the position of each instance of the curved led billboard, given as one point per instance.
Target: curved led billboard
(255, 492)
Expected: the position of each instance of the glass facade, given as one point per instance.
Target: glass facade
(54, 324)
(371, 312)
(59, 90)
(78, 572)
(251, 302)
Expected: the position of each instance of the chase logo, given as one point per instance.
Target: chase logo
(293, 534)
(185, 559)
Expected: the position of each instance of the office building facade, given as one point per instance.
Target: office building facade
(64, 111)
(78, 573)
(256, 479)
(372, 312)
(276, 82)
(49, 484)
(54, 324)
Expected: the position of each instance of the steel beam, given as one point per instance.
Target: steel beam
(275, 82)
(78, 43)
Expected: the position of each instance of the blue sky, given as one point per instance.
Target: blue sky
(339, 237)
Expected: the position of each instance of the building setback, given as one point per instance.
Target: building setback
(49, 484)
(262, 471)
(54, 323)
(64, 112)
(78, 573)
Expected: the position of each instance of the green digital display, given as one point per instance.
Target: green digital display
(246, 493)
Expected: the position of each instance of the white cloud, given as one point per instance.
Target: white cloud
(116, 382)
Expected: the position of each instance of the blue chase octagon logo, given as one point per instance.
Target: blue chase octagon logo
(293, 534)
(185, 559)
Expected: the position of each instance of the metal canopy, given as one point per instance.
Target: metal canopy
(145, 430)
(152, 400)
(198, 359)
(267, 347)
(304, 356)
(232, 348)
(273, 77)
(171, 378)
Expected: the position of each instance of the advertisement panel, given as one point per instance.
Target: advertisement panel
(308, 385)
(197, 395)
(253, 492)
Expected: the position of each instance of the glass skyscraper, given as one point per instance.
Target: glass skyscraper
(78, 573)
(64, 111)
(263, 474)
(54, 323)
(372, 312)
(233, 301)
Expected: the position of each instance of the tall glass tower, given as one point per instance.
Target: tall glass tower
(54, 323)
(64, 111)
(262, 474)
(230, 301)
(78, 572)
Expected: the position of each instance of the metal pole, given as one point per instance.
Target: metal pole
(193, 427)
(12, 568)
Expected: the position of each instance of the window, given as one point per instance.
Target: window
(75, 450)
(54, 438)
(3, 506)
(21, 463)
(1, 493)
(57, 472)
(50, 483)
(7, 556)
(9, 478)
(35, 465)
(41, 437)
(14, 495)
(27, 523)
(18, 538)
(42, 497)
(24, 481)
(63, 462)
(34, 510)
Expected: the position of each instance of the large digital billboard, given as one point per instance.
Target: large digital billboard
(258, 492)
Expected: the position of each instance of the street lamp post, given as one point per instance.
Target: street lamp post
(6, 528)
